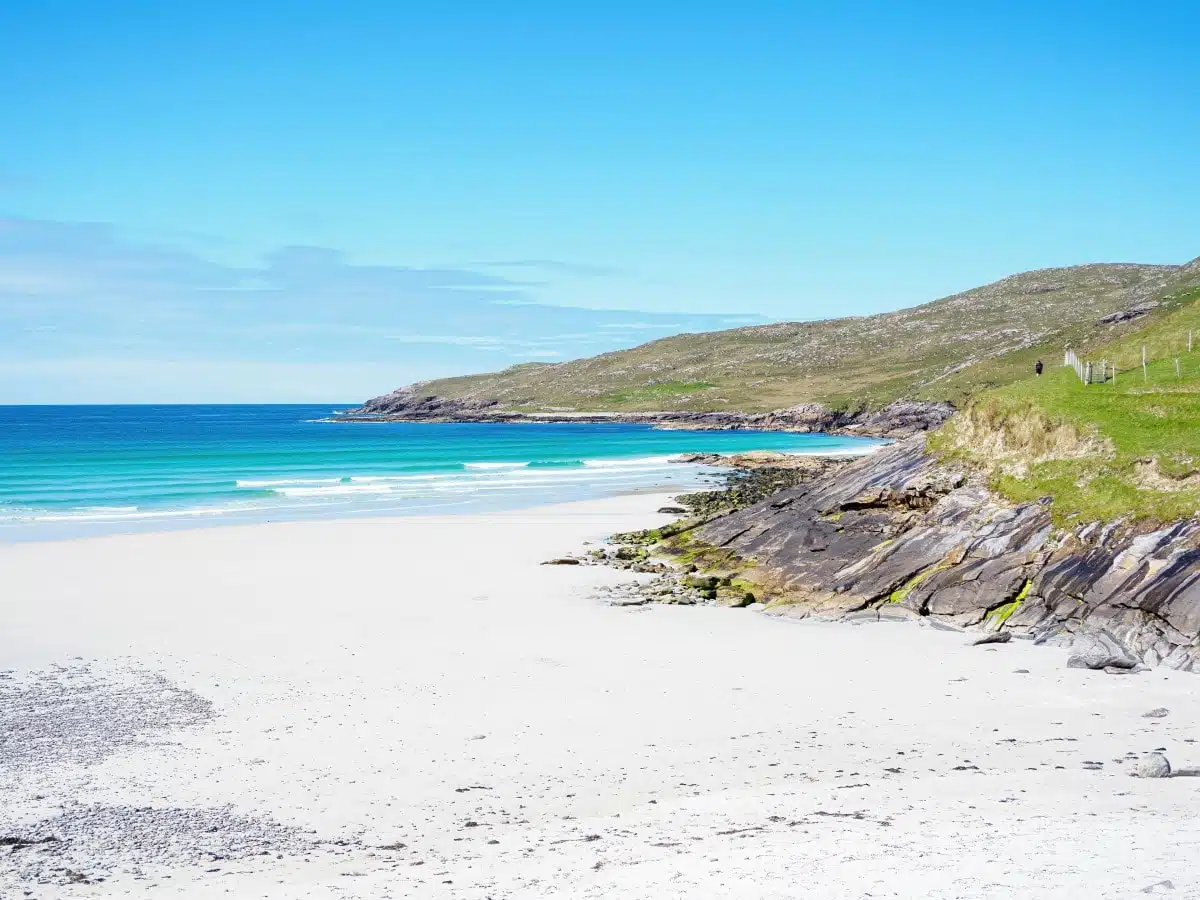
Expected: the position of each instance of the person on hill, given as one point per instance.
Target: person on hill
(1037, 368)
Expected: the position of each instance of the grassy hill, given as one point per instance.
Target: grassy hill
(945, 350)
(1127, 448)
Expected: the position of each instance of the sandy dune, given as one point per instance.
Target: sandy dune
(258, 711)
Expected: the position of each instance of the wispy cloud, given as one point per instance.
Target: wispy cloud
(71, 290)
(555, 267)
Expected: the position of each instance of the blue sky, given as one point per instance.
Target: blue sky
(320, 201)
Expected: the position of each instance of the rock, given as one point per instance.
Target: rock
(1161, 887)
(1159, 712)
(903, 417)
(734, 599)
(1128, 315)
(1154, 765)
(672, 510)
(1099, 651)
(901, 534)
(562, 561)
(996, 637)
(939, 625)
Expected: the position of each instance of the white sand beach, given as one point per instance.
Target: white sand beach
(415, 708)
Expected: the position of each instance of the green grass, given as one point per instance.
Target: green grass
(1130, 447)
(653, 394)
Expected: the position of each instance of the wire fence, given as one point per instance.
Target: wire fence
(1104, 371)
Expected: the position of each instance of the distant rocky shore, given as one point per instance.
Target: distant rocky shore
(900, 418)
(900, 535)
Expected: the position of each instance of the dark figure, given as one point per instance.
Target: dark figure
(1037, 368)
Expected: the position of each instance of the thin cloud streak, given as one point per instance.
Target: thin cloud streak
(69, 290)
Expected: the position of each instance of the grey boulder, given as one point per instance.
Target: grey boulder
(1099, 651)
(1154, 765)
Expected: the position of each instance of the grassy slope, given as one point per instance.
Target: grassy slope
(947, 349)
(1129, 447)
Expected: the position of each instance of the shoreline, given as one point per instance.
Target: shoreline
(416, 707)
(897, 419)
(51, 524)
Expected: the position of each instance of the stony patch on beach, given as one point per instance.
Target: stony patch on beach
(57, 726)
(78, 713)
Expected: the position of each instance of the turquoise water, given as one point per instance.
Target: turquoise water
(96, 469)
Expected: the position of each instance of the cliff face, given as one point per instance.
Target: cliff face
(902, 417)
(897, 534)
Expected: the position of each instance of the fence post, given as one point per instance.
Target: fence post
(1176, 367)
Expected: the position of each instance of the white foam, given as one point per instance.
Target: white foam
(283, 482)
(334, 490)
(97, 515)
(641, 462)
(495, 465)
(398, 479)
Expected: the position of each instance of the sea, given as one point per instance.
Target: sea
(72, 471)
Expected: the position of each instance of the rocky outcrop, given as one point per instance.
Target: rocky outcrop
(409, 404)
(1128, 315)
(755, 460)
(898, 534)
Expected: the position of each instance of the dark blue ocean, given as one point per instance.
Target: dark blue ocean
(73, 470)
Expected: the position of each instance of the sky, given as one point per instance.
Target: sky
(321, 201)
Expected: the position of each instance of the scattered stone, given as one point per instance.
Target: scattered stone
(99, 840)
(672, 511)
(80, 714)
(562, 561)
(1159, 887)
(1159, 712)
(1154, 765)
(996, 637)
